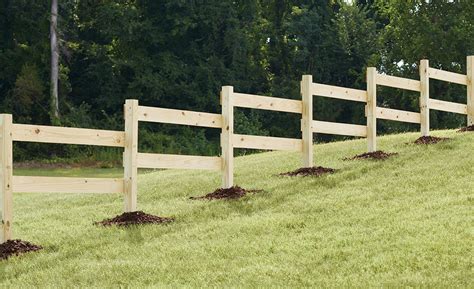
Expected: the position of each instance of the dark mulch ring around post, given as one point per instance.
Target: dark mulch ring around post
(467, 128)
(430, 140)
(309, 172)
(377, 155)
(234, 192)
(134, 218)
(16, 247)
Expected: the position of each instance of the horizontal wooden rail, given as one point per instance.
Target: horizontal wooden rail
(447, 76)
(398, 82)
(267, 103)
(339, 128)
(398, 115)
(447, 106)
(267, 143)
(26, 184)
(175, 116)
(67, 135)
(339, 92)
(168, 161)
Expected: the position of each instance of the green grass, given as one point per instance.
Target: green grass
(403, 222)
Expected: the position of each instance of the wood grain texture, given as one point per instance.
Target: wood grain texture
(307, 119)
(227, 138)
(339, 128)
(371, 109)
(6, 177)
(447, 106)
(447, 76)
(130, 155)
(169, 161)
(470, 90)
(27, 184)
(67, 135)
(397, 115)
(339, 92)
(176, 116)
(424, 97)
(267, 103)
(267, 143)
(398, 82)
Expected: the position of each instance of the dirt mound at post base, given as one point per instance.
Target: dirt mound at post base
(308, 172)
(377, 155)
(234, 192)
(134, 218)
(430, 140)
(16, 247)
(467, 128)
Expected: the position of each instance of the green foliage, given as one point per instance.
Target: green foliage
(178, 54)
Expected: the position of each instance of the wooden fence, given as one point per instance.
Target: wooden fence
(134, 113)
(10, 184)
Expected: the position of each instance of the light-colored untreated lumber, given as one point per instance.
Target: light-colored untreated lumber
(267, 103)
(168, 161)
(306, 87)
(6, 177)
(447, 106)
(267, 143)
(371, 109)
(339, 128)
(470, 90)
(67, 135)
(130, 155)
(424, 97)
(227, 138)
(398, 115)
(27, 184)
(398, 82)
(175, 116)
(339, 92)
(447, 76)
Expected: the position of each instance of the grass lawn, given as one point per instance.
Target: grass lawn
(403, 222)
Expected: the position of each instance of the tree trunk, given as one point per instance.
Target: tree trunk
(54, 62)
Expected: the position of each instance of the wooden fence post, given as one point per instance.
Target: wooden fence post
(371, 109)
(424, 97)
(307, 119)
(6, 177)
(130, 155)
(227, 145)
(470, 90)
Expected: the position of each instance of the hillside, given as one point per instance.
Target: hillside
(405, 221)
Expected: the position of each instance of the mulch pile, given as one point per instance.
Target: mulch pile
(134, 218)
(430, 140)
(311, 171)
(377, 155)
(234, 192)
(16, 247)
(467, 128)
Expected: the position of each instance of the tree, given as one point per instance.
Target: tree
(54, 62)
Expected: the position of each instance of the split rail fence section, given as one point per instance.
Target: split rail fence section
(134, 113)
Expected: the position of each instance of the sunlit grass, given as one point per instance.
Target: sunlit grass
(403, 222)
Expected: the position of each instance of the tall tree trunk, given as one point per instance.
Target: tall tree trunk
(54, 62)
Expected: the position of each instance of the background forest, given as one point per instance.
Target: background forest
(178, 54)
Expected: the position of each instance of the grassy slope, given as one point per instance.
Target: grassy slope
(407, 221)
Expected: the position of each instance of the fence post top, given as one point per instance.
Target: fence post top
(307, 76)
(131, 101)
(6, 117)
(227, 87)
